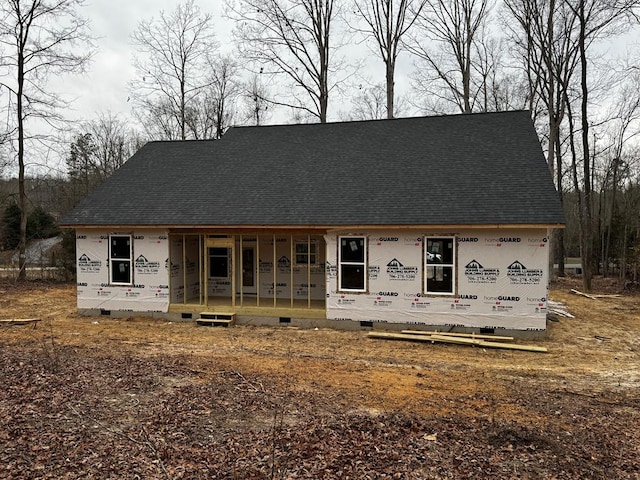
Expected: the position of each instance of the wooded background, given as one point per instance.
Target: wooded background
(574, 64)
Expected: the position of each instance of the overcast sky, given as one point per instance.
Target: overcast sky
(104, 86)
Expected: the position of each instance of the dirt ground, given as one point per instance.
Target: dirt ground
(145, 398)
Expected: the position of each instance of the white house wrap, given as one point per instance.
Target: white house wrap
(150, 290)
(501, 281)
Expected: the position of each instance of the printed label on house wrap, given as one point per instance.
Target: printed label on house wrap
(265, 267)
(87, 265)
(145, 267)
(476, 273)
(398, 271)
(374, 272)
(332, 270)
(521, 275)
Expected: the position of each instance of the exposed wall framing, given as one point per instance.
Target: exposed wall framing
(277, 281)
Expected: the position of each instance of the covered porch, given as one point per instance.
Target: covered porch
(265, 274)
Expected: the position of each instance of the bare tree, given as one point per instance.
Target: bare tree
(630, 206)
(370, 102)
(595, 18)
(255, 97)
(224, 91)
(4, 155)
(213, 111)
(171, 58)
(545, 34)
(387, 21)
(289, 38)
(114, 142)
(624, 126)
(445, 41)
(98, 149)
(40, 38)
(496, 85)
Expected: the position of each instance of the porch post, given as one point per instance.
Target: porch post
(291, 268)
(240, 267)
(184, 269)
(257, 270)
(309, 270)
(204, 259)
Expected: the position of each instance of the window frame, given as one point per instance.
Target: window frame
(311, 254)
(227, 262)
(451, 265)
(117, 259)
(342, 263)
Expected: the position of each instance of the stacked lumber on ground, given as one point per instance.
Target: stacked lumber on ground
(471, 339)
(558, 308)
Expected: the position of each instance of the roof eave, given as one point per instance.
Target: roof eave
(327, 227)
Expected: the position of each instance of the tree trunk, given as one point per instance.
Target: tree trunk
(586, 235)
(466, 74)
(607, 242)
(183, 132)
(22, 196)
(623, 256)
(553, 237)
(558, 234)
(390, 87)
(324, 99)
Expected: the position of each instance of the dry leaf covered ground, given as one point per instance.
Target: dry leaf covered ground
(145, 398)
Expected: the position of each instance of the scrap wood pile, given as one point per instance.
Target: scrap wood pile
(557, 308)
(471, 339)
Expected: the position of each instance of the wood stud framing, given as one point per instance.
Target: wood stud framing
(236, 261)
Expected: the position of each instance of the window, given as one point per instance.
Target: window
(352, 264)
(306, 253)
(120, 259)
(218, 262)
(439, 265)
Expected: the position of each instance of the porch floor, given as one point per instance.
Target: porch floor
(249, 306)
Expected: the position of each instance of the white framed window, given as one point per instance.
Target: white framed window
(306, 253)
(440, 261)
(352, 264)
(120, 260)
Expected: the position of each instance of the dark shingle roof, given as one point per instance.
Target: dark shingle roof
(477, 169)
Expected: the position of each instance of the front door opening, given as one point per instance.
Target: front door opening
(248, 267)
(220, 288)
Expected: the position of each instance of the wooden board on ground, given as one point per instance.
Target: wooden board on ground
(482, 343)
(19, 321)
(455, 334)
(457, 340)
(594, 296)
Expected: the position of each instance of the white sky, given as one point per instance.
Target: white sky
(104, 87)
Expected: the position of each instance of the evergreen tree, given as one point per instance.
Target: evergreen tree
(11, 227)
